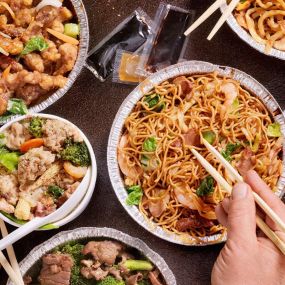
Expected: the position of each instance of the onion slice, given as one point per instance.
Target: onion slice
(8, 8)
(4, 35)
(4, 52)
(43, 3)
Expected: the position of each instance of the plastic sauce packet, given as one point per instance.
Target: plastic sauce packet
(125, 67)
(167, 44)
(129, 35)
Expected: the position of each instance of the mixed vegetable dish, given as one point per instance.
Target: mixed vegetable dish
(42, 162)
(38, 49)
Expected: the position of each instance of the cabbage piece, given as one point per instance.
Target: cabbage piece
(274, 130)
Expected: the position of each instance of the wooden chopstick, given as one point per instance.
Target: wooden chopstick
(223, 18)
(11, 254)
(261, 203)
(10, 271)
(260, 223)
(215, 6)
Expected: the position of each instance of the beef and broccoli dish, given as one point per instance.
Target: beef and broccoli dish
(42, 162)
(104, 262)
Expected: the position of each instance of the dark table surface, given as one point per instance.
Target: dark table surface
(92, 106)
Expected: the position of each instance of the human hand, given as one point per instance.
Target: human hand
(249, 258)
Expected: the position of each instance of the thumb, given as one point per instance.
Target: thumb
(241, 215)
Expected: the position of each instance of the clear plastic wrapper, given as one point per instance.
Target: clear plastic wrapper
(129, 35)
(167, 44)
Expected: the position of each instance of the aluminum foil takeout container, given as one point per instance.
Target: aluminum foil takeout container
(31, 264)
(184, 68)
(246, 37)
(82, 54)
(89, 189)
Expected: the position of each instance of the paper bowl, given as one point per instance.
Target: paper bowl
(31, 264)
(185, 68)
(246, 37)
(80, 12)
(81, 206)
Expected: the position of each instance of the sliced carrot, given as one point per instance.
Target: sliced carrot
(8, 8)
(6, 72)
(63, 37)
(33, 143)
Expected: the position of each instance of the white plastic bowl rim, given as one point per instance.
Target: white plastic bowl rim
(86, 199)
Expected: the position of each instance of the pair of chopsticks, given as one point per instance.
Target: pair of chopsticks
(12, 270)
(215, 6)
(224, 184)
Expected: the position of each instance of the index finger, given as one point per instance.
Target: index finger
(262, 189)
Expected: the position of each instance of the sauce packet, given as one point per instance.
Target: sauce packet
(128, 35)
(167, 43)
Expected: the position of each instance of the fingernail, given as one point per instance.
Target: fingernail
(240, 191)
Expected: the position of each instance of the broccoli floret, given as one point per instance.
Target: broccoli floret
(109, 280)
(55, 191)
(76, 152)
(36, 127)
(136, 265)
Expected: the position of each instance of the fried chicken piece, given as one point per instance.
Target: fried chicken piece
(5, 61)
(34, 62)
(47, 15)
(34, 29)
(30, 93)
(10, 29)
(45, 81)
(25, 16)
(68, 57)
(64, 14)
(12, 46)
(4, 98)
(51, 53)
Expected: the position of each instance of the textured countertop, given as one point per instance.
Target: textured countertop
(92, 106)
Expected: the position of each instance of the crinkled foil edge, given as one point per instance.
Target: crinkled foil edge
(246, 37)
(89, 233)
(189, 67)
(83, 49)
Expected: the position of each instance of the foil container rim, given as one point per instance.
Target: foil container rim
(79, 64)
(96, 232)
(247, 38)
(188, 67)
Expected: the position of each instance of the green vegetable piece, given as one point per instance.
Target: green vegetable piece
(22, 222)
(235, 104)
(71, 30)
(36, 127)
(110, 280)
(206, 187)
(209, 136)
(55, 191)
(34, 44)
(17, 107)
(274, 130)
(8, 159)
(2, 140)
(144, 160)
(76, 152)
(150, 144)
(153, 100)
(135, 195)
(256, 143)
(230, 149)
(136, 265)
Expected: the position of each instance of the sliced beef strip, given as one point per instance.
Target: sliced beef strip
(104, 251)
(56, 269)
(186, 87)
(195, 222)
